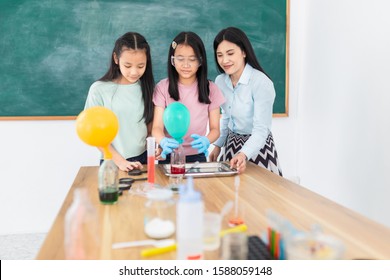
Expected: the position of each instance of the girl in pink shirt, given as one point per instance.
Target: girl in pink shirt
(187, 83)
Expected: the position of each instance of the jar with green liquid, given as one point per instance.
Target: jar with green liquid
(108, 181)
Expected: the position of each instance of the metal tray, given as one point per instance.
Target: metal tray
(203, 169)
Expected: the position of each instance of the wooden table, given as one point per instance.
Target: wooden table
(259, 190)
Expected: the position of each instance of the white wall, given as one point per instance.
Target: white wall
(334, 139)
(344, 121)
(39, 161)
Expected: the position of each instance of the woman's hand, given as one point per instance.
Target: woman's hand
(215, 153)
(239, 162)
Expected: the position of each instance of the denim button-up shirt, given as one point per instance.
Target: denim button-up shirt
(248, 108)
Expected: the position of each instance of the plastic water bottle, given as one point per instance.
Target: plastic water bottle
(189, 219)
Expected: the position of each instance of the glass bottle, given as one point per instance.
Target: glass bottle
(108, 182)
(178, 163)
(82, 238)
(159, 219)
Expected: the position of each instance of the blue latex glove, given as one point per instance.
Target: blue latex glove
(168, 145)
(201, 143)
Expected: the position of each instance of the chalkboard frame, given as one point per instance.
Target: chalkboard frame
(286, 93)
(287, 64)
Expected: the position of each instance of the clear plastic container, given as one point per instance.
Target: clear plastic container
(314, 247)
(159, 219)
(189, 215)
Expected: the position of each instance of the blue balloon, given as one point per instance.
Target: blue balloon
(176, 119)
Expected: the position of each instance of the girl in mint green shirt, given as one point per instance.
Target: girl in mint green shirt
(127, 90)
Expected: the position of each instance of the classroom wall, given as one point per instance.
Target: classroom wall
(343, 99)
(334, 140)
(38, 164)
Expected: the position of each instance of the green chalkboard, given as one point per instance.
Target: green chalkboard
(52, 51)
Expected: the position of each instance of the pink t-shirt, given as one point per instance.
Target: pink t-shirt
(199, 112)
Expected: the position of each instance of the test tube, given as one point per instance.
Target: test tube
(151, 150)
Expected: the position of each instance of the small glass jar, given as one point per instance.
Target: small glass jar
(108, 182)
(234, 246)
(178, 163)
(159, 219)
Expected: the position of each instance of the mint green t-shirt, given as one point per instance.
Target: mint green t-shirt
(127, 104)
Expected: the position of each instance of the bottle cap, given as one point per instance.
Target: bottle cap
(159, 194)
(189, 194)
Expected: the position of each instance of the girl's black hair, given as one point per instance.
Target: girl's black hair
(238, 37)
(134, 41)
(193, 40)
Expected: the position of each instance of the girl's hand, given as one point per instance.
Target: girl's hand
(215, 153)
(125, 165)
(168, 145)
(201, 143)
(238, 162)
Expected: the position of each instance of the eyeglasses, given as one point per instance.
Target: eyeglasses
(181, 60)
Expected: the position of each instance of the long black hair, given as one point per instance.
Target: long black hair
(193, 40)
(134, 41)
(238, 37)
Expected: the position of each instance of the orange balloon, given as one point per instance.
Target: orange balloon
(97, 126)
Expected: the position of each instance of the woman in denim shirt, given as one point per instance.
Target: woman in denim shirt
(247, 113)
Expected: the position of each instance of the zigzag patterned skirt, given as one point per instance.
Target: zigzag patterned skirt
(266, 158)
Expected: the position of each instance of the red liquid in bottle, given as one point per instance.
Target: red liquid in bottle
(177, 170)
(151, 166)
